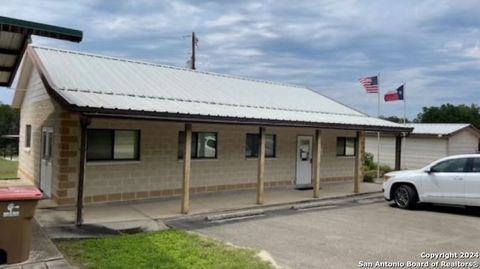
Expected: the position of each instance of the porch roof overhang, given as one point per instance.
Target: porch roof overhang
(142, 115)
(14, 38)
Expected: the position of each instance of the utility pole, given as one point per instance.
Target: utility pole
(194, 45)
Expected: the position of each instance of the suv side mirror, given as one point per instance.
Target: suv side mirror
(428, 170)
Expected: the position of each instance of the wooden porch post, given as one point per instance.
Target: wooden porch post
(84, 122)
(187, 151)
(398, 152)
(261, 166)
(316, 168)
(359, 152)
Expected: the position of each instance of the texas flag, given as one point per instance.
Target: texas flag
(394, 95)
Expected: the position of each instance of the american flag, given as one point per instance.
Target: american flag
(370, 84)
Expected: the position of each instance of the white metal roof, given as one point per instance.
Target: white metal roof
(436, 128)
(94, 81)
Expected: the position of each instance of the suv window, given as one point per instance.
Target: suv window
(476, 165)
(450, 166)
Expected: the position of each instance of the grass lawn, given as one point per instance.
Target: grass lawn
(166, 249)
(8, 169)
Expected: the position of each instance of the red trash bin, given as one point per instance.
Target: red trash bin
(17, 208)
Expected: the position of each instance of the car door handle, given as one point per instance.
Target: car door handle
(458, 178)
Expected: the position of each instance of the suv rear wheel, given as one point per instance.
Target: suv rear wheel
(405, 196)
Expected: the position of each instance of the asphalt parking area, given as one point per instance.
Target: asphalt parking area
(345, 235)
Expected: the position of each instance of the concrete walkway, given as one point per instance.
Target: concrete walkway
(149, 215)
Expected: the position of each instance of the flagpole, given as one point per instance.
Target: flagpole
(378, 133)
(404, 105)
(378, 95)
(404, 123)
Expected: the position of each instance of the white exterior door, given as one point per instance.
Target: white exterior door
(304, 160)
(446, 182)
(46, 161)
(472, 184)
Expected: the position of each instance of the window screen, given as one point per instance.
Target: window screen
(125, 146)
(346, 146)
(104, 145)
(204, 145)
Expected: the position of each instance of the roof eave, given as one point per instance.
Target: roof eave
(131, 114)
(25, 29)
(33, 28)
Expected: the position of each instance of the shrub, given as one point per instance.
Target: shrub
(370, 168)
(368, 161)
(385, 169)
(369, 175)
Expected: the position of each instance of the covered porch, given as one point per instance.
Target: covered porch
(266, 181)
(196, 183)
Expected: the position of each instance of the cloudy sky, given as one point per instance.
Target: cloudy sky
(431, 45)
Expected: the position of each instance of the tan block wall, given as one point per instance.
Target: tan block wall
(333, 168)
(37, 110)
(159, 172)
(67, 160)
(38, 114)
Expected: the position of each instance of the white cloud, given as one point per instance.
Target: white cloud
(431, 45)
(225, 20)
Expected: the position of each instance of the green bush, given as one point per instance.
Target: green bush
(368, 161)
(369, 175)
(385, 169)
(370, 168)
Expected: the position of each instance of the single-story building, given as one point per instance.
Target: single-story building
(426, 143)
(97, 129)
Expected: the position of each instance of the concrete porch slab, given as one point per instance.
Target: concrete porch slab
(140, 214)
(112, 213)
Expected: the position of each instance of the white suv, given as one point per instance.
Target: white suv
(451, 180)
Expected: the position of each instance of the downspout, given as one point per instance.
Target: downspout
(448, 145)
(84, 122)
(398, 152)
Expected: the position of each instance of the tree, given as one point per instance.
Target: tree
(448, 113)
(9, 124)
(9, 120)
